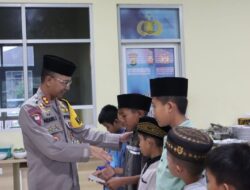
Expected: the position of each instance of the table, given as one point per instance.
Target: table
(16, 170)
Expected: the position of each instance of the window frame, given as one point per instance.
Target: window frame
(24, 44)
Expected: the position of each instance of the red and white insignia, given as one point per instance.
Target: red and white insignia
(37, 118)
(36, 115)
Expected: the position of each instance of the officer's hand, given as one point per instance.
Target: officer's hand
(100, 153)
(125, 136)
(114, 183)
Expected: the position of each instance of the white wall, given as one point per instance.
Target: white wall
(216, 47)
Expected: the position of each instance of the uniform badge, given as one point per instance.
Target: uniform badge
(73, 139)
(45, 100)
(37, 118)
(44, 109)
(36, 115)
(41, 106)
(54, 129)
(63, 108)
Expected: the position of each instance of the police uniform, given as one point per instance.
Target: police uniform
(134, 161)
(149, 127)
(55, 139)
(168, 86)
(190, 145)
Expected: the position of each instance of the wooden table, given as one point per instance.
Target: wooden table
(16, 170)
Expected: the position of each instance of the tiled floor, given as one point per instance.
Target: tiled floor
(84, 170)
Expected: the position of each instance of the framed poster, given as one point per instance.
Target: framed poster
(144, 62)
(149, 23)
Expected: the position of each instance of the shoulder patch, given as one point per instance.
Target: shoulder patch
(36, 115)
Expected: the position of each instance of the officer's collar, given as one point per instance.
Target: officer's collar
(44, 99)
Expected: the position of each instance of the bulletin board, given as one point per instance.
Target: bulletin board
(142, 63)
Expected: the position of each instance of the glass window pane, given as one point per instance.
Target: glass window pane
(11, 124)
(1, 126)
(57, 23)
(9, 120)
(86, 116)
(80, 92)
(10, 23)
(14, 88)
(11, 74)
(13, 56)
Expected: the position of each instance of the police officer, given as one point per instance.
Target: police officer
(54, 138)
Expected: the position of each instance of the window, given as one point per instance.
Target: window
(27, 33)
(151, 45)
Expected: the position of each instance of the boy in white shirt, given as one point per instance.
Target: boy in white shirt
(150, 141)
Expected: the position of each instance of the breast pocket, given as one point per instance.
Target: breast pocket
(143, 181)
(54, 128)
(143, 184)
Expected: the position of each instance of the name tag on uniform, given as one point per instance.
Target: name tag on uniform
(49, 119)
(143, 181)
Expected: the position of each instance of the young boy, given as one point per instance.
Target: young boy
(151, 142)
(108, 118)
(169, 99)
(187, 149)
(131, 107)
(228, 167)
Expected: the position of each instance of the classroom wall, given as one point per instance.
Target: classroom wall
(216, 57)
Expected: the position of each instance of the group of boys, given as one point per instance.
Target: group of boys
(166, 152)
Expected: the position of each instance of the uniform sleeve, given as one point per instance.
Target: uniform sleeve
(31, 122)
(98, 138)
